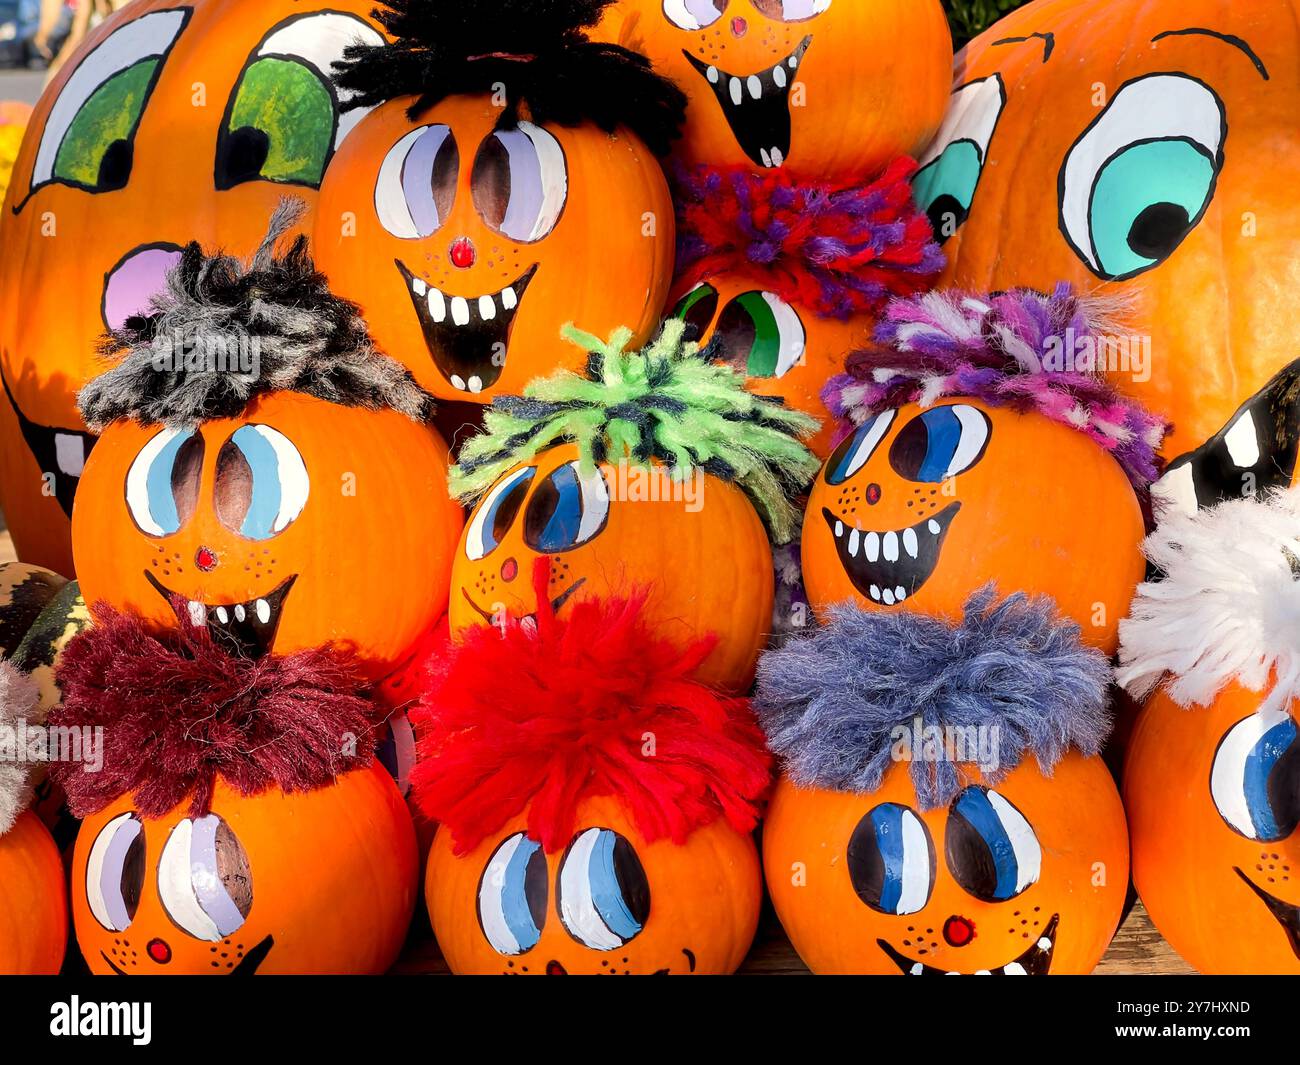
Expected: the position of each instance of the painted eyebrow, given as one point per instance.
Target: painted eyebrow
(1226, 38)
(1048, 39)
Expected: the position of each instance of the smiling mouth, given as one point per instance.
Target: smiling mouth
(1036, 961)
(757, 106)
(890, 567)
(1287, 915)
(467, 336)
(248, 964)
(59, 453)
(527, 622)
(246, 629)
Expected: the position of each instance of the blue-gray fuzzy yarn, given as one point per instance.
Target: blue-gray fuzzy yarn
(829, 701)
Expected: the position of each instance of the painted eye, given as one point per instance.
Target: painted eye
(792, 10)
(417, 183)
(602, 892)
(567, 510)
(89, 137)
(891, 860)
(951, 167)
(698, 308)
(396, 750)
(761, 334)
(204, 880)
(940, 444)
(512, 896)
(261, 484)
(282, 123)
(854, 452)
(162, 485)
(115, 872)
(1142, 176)
(694, 14)
(494, 516)
(991, 849)
(1255, 780)
(520, 182)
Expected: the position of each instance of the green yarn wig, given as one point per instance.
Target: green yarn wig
(669, 403)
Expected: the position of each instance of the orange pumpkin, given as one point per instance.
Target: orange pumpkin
(316, 883)
(1152, 181)
(869, 884)
(299, 523)
(34, 903)
(812, 85)
(215, 109)
(609, 903)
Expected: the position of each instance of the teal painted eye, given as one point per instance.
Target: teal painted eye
(1141, 178)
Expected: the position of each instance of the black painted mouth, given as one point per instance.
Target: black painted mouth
(468, 337)
(60, 454)
(1036, 961)
(891, 567)
(246, 629)
(1287, 916)
(528, 621)
(248, 965)
(757, 106)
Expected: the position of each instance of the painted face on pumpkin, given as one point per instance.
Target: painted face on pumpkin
(1023, 878)
(919, 508)
(174, 122)
(1147, 181)
(458, 236)
(263, 528)
(765, 78)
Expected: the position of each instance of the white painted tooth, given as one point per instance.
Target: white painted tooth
(934, 527)
(755, 86)
(918, 969)
(240, 612)
(222, 615)
(891, 547)
(487, 308)
(508, 299)
(900, 593)
(437, 306)
(909, 542)
(767, 158)
(1014, 969)
(198, 614)
(982, 972)
(1044, 944)
(460, 310)
(528, 625)
(713, 75)
(888, 597)
(854, 537)
(952, 974)
(737, 92)
(458, 382)
(263, 610)
(475, 384)
(778, 157)
(419, 286)
(873, 546)
(793, 62)
(778, 76)
(875, 593)
(839, 530)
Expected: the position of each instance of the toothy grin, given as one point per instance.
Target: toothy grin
(757, 106)
(1036, 961)
(890, 567)
(1287, 915)
(60, 453)
(246, 629)
(467, 336)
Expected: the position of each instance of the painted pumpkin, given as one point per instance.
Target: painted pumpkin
(1025, 878)
(315, 883)
(459, 237)
(608, 903)
(812, 85)
(921, 507)
(172, 122)
(1150, 182)
(299, 523)
(34, 902)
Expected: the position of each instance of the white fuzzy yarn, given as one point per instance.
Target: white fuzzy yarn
(18, 698)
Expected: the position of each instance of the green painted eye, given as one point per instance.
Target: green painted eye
(761, 333)
(96, 152)
(698, 308)
(281, 126)
(945, 188)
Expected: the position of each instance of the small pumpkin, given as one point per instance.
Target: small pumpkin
(214, 108)
(809, 85)
(508, 150)
(634, 476)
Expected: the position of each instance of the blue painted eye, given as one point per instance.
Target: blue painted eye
(602, 891)
(1142, 176)
(891, 860)
(567, 510)
(115, 872)
(940, 444)
(261, 482)
(162, 485)
(944, 187)
(496, 513)
(1255, 780)
(854, 452)
(990, 846)
(512, 896)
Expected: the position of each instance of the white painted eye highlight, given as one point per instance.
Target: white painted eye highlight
(513, 895)
(204, 880)
(496, 513)
(602, 892)
(694, 14)
(951, 168)
(115, 872)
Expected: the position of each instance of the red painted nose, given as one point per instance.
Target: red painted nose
(873, 493)
(463, 254)
(958, 931)
(509, 569)
(159, 951)
(739, 27)
(205, 559)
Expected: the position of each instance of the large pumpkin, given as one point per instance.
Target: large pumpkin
(1024, 878)
(172, 122)
(315, 883)
(827, 88)
(1134, 146)
(300, 523)
(34, 902)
